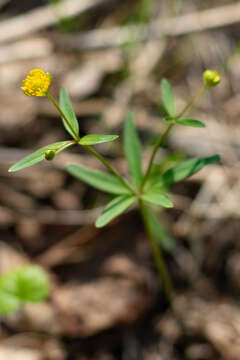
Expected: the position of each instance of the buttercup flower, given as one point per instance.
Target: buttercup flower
(211, 77)
(37, 83)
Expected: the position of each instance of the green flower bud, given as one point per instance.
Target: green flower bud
(50, 154)
(211, 78)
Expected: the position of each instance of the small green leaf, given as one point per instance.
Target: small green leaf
(159, 232)
(184, 170)
(32, 283)
(132, 149)
(170, 161)
(93, 139)
(116, 207)
(167, 97)
(157, 197)
(98, 179)
(24, 284)
(8, 303)
(67, 109)
(39, 155)
(191, 122)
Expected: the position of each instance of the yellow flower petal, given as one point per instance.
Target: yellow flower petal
(37, 83)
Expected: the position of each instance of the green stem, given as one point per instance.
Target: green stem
(51, 98)
(163, 136)
(158, 256)
(108, 166)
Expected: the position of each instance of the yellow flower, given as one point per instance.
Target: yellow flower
(37, 83)
(211, 78)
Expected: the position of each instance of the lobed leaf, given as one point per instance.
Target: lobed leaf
(98, 179)
(67, 109)
(168, 97)
(39, 155)
(93, 139)
(114, 208)
(132, 149)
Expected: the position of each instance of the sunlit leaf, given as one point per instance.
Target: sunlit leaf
(93, 139)
(132, 149)
(157, 197)
(39, 155)
(116, 207)
(184, 170)
(67, 109)
(191, 122)
(168, 97)
(98, 179)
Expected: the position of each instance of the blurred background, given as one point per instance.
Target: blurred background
(106, 301)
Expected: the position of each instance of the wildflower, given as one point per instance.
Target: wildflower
(211, 77)
(37, 83)
(50, 154)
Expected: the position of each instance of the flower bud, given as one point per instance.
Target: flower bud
(50, 154)
(211, 78)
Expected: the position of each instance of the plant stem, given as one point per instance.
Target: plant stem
(163, 136)
(51, 98)
(108, 166)
(158, 256)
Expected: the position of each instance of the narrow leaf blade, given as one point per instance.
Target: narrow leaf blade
(159, 232)
(93, 139)
(167, 97)
(191, 122)
(67, 109)
(39, 155)
(116, 207)
(184, 170)
(98, 179)
(158, 198)
(132, 149)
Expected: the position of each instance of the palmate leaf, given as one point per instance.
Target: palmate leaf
(157, 197)
(24, 284)
(93, 139)
(191, 122)
(98, 179)
(114, 208)
(159, 232)
(168, 97)
(132, 149)
(183, 170)
(39, 155)
(67, 109)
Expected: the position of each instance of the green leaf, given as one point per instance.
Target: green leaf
(159, 232)
(157, 197)
(39, 155)
(167, 97)
(96, 139)
(171, 160)
(67, 109)
(191, 122)
(32, 284)
(116, 207)
(8, 303)
(98, 179)
(132, 149)
(184, 170)
(24, 284)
